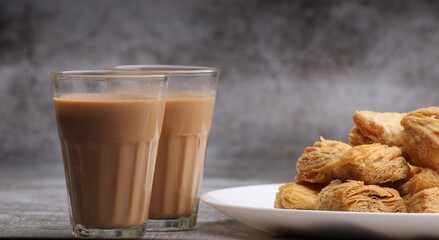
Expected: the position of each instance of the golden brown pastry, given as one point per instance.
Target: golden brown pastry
(425, 201)
(372, 164)
(354, 196)
(296, 196)
(317, 162)
(421, 137)
(376, 127)
(427, 178)
(413, 171)
(397, 184)
(356, 137)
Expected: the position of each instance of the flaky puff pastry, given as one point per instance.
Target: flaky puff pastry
(421, 137)
(413, 171)
(376, 127)
(425, 179)
(425, 201)
(372, 164)
(296, 196)
(354, 196)
(317, 162)
(397, 184)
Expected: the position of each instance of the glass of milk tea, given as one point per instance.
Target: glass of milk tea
(109, 127)
(182, 147)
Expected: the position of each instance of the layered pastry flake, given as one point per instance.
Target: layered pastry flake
(372, 164)
(425, 179)
(354, 196)
(376, 127)
(296, 196)
(425, 201)
(317, 163)
(413, 171)
(421, 137)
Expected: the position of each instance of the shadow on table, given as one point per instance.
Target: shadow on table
(230, 229)
(337, 232)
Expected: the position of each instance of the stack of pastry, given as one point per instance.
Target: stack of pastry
(391, 164)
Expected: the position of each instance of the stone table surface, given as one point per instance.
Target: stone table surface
(33, 204)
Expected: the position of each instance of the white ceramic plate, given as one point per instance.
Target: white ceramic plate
(253, 206)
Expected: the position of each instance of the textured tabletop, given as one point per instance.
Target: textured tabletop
(34, 205)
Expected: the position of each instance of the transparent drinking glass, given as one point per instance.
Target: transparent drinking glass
(109, 127)
(188, 117)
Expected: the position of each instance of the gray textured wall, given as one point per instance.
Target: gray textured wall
(291, 70)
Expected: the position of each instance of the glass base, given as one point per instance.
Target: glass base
(162, 225)
(82, 231)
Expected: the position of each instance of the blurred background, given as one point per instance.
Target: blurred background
(291, 71)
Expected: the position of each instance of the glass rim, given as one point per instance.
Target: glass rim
(164, 69)
(99, 74)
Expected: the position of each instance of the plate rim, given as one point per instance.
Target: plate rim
(207, 199)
